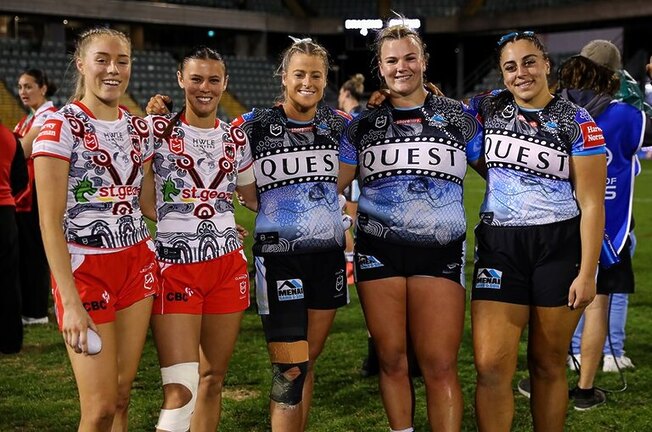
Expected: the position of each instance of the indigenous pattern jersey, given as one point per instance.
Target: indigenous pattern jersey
(412, 163)
(34, 120)
(623, 127)
(106, 169)
(196, 171)
(528, 158)
(296, 166)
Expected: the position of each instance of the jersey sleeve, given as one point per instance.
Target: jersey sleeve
(348, 151)
(54, 139)
(473, 134)
(41, 119)
(591, 139)
(636, 123)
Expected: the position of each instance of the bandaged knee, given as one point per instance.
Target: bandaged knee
(288, 391)
(287, 385)
(187, 375)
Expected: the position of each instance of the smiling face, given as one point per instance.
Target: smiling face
(304, 81)
(525, 69)
(105, 66)
(30, 93)
(402, 66)
(203, 82)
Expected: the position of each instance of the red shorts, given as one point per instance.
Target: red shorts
(110, 282)
(218, 286)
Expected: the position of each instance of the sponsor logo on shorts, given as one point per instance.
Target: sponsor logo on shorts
(368, 262)
(180, 296)
(488, 278)
(291, 289)
(95, 305)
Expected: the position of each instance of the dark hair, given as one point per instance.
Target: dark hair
(520, 35)
(355, 86)
(396, 32)
(301, 46)
(581, 73)
(199, 52)
(41, 79)
(80, 48)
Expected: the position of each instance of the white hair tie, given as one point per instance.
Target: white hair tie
(297, 40)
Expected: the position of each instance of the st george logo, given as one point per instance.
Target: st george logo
(275, 129)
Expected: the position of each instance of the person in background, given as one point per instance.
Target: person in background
(348, 101)
(539, 236)
(13, 178)
(34, 89)
(592, 85)
(411, 228)
(608, 55)
(199, 162)
(89, 161)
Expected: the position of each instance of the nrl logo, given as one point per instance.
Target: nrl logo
(381, 122)
(275, 129)
(176, 145)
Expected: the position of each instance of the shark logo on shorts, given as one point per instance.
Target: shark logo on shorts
(368, 262)
(291, 289)
(488, 278)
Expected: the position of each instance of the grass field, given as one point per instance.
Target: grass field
(37, 390)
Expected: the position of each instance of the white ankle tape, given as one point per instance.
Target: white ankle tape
(178, 419)
(410, 429)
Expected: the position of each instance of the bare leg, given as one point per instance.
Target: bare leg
(593, 337)
(319, 325)
(436, 312)
(497, 328)
(218, 336)
(550, 332)
(384, 302)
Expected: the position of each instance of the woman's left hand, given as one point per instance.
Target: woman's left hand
(242, 232)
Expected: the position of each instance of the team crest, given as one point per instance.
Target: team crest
(176, 145)
(229, 151)
(90, 142)
(508, 112)
(275, 129)
(381, 122)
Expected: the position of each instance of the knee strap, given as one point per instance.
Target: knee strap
(284, 390)
(178, 419)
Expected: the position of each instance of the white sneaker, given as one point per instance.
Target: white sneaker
(571, 363)
(609, 363)
(31, 321)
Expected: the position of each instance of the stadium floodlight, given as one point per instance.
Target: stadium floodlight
(364, 25)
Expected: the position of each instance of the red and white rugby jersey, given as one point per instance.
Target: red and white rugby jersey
(106, 169)
(35, 119)
(196, 172)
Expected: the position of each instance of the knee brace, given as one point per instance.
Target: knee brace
(284, 390)
(178, 419)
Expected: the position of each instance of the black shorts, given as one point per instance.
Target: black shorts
(619, 278)
(288, 285)
(532, 265)
(376, 259)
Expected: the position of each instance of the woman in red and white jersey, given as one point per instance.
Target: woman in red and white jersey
(89, 161)
(34, 89)
(199, 163)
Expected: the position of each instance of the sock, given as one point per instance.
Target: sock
(410, 429)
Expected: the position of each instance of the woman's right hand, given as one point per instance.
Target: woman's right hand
(76, 323)
(159, 105)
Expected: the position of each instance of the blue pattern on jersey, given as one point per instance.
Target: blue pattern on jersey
(296, 166)
(412, 163)
(528, 159)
